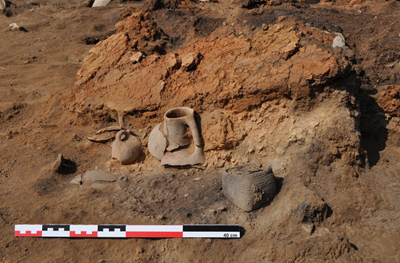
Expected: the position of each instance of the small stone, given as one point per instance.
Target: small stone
(172, 62)
(224, 23)
(185, 195)
(136, 57)
(221, 163)
(276, 165)
(77, 180)
(163, 249)
(99, 175)
(250, 150)
(347, 52)
(280, 19)
(222, 208)
(391, 65)
(197, 179)
(185, 173)
(253, 28)
(139, 250)
(308, 228)
(265, 27)
(96, 168)
(2, 4)
(98, 186)
(339, 41)
(190, 61)
(160, 217)
(280, 150)
(260, 147)
(122, 182)
(14, 27)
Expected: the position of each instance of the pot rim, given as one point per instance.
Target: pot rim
(188, 112)
(266, 170)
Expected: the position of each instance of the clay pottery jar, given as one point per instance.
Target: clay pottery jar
(176, 127)
(126, 148)
(248, 186)
(170, 142)
(176, 124)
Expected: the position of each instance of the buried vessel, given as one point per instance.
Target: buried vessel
(249, 186)
(177, 141)
(126, 148)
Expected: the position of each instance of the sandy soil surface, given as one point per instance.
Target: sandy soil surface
(352, 194)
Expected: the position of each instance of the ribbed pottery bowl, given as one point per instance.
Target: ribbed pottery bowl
(248, 186)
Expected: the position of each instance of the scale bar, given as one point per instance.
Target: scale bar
(127, 231)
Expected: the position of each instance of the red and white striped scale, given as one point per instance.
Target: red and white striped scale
(127, 231)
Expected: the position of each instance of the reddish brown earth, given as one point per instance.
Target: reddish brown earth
(269, 88)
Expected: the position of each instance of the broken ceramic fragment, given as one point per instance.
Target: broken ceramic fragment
(99, 3)
(122, 182)
(98, 175)
(63, 165)
(77, 180)
(157, 142)
(126, 148)
(98, 186)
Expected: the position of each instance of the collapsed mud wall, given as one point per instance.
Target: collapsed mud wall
(235, 73)
(283, 94)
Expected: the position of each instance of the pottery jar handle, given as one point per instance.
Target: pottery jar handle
(195, 131)
(118, 137)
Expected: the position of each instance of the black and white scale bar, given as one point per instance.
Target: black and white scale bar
(211, 231)
(127, 231)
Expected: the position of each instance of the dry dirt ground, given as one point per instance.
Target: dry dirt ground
(339, 197)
